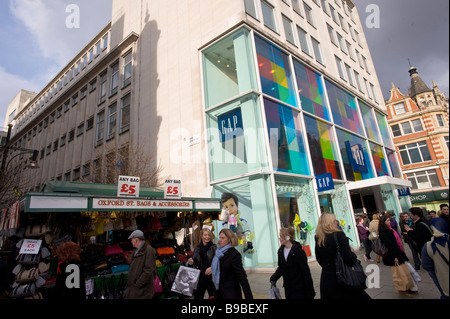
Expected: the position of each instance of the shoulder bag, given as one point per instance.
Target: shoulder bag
(350, 277)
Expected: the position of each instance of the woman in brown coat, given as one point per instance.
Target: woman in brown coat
(142, 268)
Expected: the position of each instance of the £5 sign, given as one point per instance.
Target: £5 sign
(172, 189)
(128, 186)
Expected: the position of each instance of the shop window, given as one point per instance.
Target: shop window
(344, 109)
(286, 139)
(236, 139)
(423, 179)
(311, 91)
(322, 145)
(355, 156)
(384, 129)
(370, 124)
(379, 161)
(393, 162)
(228, 68)
(275, 72)
(297, 209)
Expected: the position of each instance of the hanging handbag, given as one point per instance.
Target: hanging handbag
(351, 277)
(157, 284)
(274, 292)
(379, 248)
(401, 277)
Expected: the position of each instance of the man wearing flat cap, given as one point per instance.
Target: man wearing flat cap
(142, 268)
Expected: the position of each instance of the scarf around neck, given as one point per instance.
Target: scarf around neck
(397, 239)
(215, 265)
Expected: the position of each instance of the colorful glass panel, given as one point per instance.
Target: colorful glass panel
(275, 72)
(344, 109)
(286, 139)
(322, 146)
(311, 91)
(393, 163)
(379, 161)
(384, 130)
(369, 122)
(355, 156)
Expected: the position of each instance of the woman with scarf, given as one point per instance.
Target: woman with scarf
(201, 259)
(391, 239)
(435, 256)
(227, 272)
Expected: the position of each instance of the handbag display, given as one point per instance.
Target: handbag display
(23, 290)
(27, 275)
(379, 248)
(35, 231)
(351, 277)
(401, 277)
(28, 259)
(274, 292)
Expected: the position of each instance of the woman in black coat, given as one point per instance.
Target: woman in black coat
(326, 253)
(227, 271)
(293, 266)
(396, 253)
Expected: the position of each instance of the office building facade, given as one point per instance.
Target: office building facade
(276, 101)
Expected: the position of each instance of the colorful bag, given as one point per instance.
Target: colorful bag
(401, 277)
(158, 287)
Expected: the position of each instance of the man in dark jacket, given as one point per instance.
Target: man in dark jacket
(420, 233)
(142, 268)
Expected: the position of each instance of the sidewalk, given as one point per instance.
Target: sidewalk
(259, 281)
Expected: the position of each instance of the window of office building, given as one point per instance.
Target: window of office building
(317, 51)
(288, 30)
(114, 84)
(344, 109)
(355, 156)
(414, 153)
(102, 88)
(250, 8)
(228, 68)
(268, 15)
(127, 69)
(275, 72)
(304, 42)
(112, 116)
(423, 179)
(100, 131)
(311, 91)
(323, 148)
(125, 104)
(286, 139)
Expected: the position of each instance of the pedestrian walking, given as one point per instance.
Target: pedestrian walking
(435, 256)
(326, 250)
(201, 259)
(142, 268)
(405, 220)
(363, 233)
(395, 257)
(373, 230)
(293, 267)
(420, 232)
(227, 270)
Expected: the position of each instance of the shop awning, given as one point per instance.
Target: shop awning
(430, 196)
(396, 182)
(56, 196)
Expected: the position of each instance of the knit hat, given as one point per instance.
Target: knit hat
(137, 234)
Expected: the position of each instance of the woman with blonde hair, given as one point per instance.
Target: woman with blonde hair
(202, 258)
(327, 233)
(228, 274)
(293, 267)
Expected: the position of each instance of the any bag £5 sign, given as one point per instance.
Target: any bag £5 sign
(128, 186)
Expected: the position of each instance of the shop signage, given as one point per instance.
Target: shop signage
(128, 186)
(172, 189)
(324, 182)
(140, 204)
(403, 191)
(30, 246)
(430, 196)
(230, 125)
(356, 156)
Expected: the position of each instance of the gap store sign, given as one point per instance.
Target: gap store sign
(230, 125)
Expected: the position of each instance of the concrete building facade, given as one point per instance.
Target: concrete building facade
(276, 101)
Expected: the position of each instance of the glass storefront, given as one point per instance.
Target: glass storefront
(274, 127)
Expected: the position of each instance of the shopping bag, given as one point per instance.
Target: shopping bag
(157, 284)
(414, 274)
(401, 277)
(274, 292)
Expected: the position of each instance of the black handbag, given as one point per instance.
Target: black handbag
(379, 248)
(350, 277)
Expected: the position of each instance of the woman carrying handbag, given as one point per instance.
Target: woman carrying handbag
(395, 257)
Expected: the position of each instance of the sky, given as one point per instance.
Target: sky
(36, 42)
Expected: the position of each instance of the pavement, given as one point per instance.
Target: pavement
(259, 280)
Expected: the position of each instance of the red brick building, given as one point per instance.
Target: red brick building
(420, 126)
